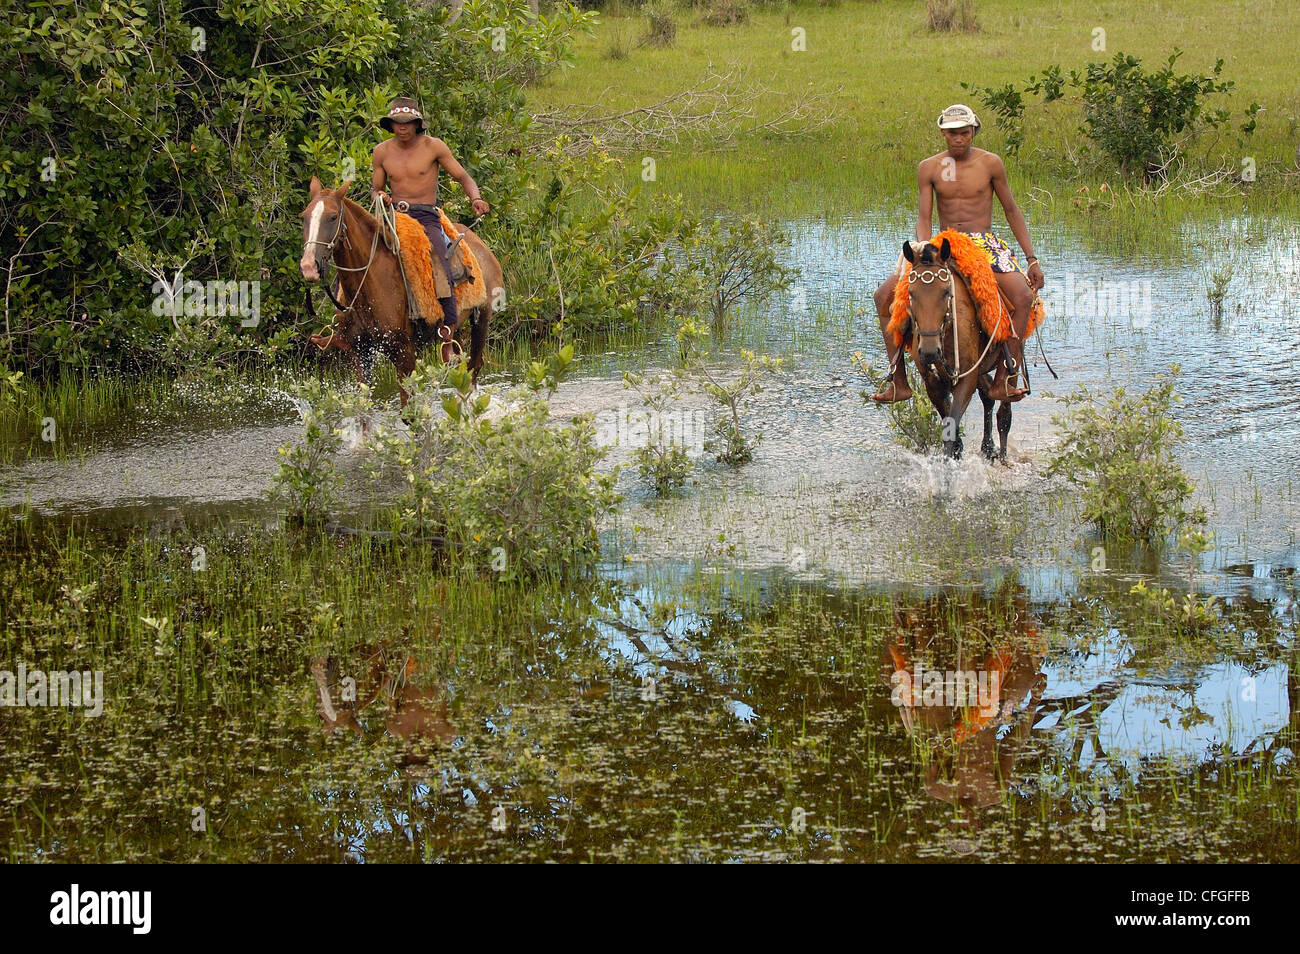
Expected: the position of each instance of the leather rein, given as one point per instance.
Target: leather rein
(341, 233)
(944, 274)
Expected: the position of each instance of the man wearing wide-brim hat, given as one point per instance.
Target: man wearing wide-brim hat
(409, 164)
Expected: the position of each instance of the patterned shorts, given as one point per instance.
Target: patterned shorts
(1001, 258)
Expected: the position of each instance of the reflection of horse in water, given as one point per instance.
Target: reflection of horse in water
(384, 679)
(957, 685)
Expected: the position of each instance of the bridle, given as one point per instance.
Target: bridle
(927, 276)
(341, 234)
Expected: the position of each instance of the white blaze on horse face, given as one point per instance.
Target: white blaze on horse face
(308, 263)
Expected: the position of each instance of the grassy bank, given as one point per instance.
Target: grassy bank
(884, 78)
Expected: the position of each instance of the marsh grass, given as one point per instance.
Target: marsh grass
(546, 691)
(867, 156)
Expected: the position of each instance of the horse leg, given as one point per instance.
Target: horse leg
(961, 396)
(986, 446)
(1004, 428)
(478, 323)
(403, 358)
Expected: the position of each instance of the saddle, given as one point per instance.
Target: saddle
(426, 284)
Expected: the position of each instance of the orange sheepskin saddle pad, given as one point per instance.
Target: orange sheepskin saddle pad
(470, 292)
(974, 265)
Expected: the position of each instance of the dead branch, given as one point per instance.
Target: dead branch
(712, 113)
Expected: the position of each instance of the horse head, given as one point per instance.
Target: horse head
(930, 297)
(322, 228)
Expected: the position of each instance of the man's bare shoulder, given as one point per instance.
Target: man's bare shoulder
(990, 159)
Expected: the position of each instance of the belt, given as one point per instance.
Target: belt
(404, 206)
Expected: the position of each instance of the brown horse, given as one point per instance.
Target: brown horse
(374, 317)
(939, 301)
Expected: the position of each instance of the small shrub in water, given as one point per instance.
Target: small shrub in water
(511, 495)
(661, 461)
(730, 444)
(307, 481)
(1121, 454)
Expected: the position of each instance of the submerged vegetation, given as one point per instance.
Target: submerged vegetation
(573, 708)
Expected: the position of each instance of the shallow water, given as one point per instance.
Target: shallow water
(739, 667)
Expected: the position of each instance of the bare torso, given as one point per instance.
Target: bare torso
(412, 171)
(963, 189)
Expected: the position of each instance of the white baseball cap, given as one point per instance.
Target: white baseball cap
(958, 115)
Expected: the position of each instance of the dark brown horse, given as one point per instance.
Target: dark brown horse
(374, 317)
(952, 371)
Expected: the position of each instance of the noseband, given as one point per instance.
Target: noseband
(342, 233)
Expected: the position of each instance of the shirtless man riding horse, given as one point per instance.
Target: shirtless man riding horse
(964, 179)
(409, 163)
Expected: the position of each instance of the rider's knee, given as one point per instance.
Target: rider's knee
(884, 297)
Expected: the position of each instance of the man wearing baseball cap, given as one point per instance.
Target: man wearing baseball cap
(409, 163)
(962, 180)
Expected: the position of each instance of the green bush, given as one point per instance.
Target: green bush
(730, 444)
(739, 259)
(1121, 454)
(307, 482)
(1135, 117)
(584, 250)
(661, 24)
(661, 461)
(513, 496)
(190, 132)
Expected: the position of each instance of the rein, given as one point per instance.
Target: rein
(944, 274)
(342, 233)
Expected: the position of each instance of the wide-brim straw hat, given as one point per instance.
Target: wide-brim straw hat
(403, 110)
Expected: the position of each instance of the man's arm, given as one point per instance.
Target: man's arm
(1016, 219)
(925, 203)
(458, 172)
(378, 177)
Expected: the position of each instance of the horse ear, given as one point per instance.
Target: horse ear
(908, 253)
(314, 187)
(945, 251)
(343, 189)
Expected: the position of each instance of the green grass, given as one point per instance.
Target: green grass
(887, 78)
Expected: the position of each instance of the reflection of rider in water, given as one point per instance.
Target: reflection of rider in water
(968, 765)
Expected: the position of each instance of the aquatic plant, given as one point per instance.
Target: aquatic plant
(730, 445)
(307, 481)
(510, 494)
(740, 259)
(1122, 455)
(661, 459)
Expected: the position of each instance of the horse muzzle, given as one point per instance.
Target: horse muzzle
(310, 268)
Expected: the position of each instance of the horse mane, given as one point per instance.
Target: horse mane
(972, 265)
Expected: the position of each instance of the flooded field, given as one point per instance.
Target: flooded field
(728, 686)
